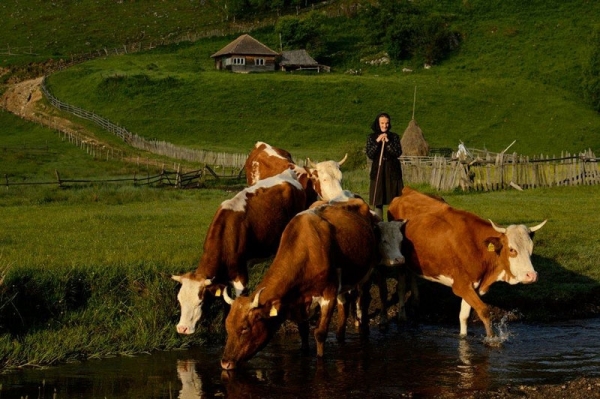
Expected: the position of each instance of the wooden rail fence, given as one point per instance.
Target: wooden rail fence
(218, 160)
(502, 171)
(165, 178)
(486, 172)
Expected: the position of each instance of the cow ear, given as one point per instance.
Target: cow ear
(274, 308)
(493, 244)
(215, 289)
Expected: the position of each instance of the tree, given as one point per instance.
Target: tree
(305, 33)
(407, 31)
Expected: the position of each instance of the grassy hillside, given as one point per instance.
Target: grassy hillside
(38, 29)
(515, 77)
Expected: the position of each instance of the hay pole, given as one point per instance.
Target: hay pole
(414, 102)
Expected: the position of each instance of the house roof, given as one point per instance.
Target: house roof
(245, 45)
(297, 57)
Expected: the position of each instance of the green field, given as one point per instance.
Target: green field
(86, 267)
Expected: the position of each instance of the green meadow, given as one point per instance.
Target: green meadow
(86, 268)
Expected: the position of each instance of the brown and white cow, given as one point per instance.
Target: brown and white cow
(410, 203)
(320, 180)
(244, 229)
(460, 250)
(389, 237)
(324, 252)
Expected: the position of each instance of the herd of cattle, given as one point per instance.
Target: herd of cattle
(327, 243)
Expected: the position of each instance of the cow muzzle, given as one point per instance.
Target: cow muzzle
(181, 329)
(227, 364)
(397, 261)
(530, 277)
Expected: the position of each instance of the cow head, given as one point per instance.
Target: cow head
(390, 237)
(249, 326)
(191, 296)
(516, 245)
(327, 177)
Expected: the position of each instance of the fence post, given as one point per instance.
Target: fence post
(6, 178)
(58, 178)
(178, 177)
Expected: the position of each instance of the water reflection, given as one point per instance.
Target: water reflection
(427, 361)
(191, 384)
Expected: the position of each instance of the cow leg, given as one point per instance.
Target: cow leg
(402, 294)
(327, 308)
(303, 329)
(343, 312)
(380, 280)
(472, 300)
(362, 310)
(463, 317)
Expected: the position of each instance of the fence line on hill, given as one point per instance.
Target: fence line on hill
(176, 179)
(218, 160)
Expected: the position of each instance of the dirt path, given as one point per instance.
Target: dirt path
(23, 100)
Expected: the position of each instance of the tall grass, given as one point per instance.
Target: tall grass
(87, 271)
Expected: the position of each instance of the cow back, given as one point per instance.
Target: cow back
(355, 246)
(250, 225)
(265, 161)
(450, 243)
(413, 203)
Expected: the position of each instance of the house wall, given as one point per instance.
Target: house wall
(249, 64)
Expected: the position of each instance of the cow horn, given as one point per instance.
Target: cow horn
(343, 160)
(539, 226)
(501, 230)
(226, 297)
(255, 302)
(177, 278)
(311, 163)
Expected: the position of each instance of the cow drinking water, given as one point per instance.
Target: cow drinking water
(244, 229)
(324, 252)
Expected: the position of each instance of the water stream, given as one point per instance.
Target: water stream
(426, 361)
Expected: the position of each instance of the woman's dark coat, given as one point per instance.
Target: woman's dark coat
(389, 183)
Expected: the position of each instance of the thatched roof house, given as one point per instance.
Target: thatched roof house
(413, 142)
(245, 54)
(293, 60)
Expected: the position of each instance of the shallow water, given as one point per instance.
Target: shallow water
(427, 361)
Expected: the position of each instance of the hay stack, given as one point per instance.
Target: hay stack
(413, 142)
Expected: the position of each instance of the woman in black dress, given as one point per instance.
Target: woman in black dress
(386, 178)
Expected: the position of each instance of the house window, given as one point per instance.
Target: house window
(238, 61)
(259, 61)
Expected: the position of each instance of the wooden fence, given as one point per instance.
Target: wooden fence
(218, 160)
(165, 178)
(486, 172)
(502, 171)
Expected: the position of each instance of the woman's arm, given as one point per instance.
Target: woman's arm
(373, 148)
(393, 147)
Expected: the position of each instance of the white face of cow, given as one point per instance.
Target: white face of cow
(389, 243)
(329, 178)
(190, 298)
(519, 254)
(520, 249)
